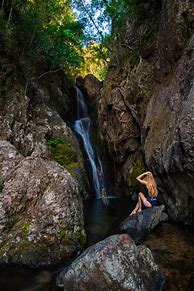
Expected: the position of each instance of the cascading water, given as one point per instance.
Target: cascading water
(82, 127)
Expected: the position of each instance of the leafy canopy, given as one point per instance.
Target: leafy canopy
(74, 34)
(42, 30)
(103, 22)
(101, 18)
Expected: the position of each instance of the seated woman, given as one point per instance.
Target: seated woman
(146, 179)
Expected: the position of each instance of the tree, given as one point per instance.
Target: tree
(42, 30)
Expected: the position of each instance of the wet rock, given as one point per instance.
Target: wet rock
(41, 218)
(140, 224)
(79, 81)
(115, 263)
(91, 86)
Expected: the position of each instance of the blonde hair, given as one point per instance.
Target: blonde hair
(151, 185)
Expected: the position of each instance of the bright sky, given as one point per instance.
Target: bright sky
(102, 23)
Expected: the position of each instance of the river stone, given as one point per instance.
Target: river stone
(41, 218)
(115, 263)
(141, 223)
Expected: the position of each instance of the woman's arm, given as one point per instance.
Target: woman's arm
(140, 178)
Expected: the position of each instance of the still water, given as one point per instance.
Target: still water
(172, 247)
(100, 221)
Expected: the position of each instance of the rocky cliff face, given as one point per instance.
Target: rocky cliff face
(145, 106)
(169, 144)
(41, 217)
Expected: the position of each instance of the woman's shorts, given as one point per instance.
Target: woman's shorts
(153, 201)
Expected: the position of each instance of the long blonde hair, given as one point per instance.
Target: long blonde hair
(151, 185)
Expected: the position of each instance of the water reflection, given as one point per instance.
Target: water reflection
(100, 221)
(18, 278)
(173, 249)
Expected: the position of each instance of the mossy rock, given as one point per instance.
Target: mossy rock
(138, 168)
(37, 253)
(65, 153)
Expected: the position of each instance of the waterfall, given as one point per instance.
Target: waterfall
(82, 127)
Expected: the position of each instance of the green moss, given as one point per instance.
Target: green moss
(139, 168)
(70, 239)
(26, 227)
(61, 232)
(100, 137)
(81, 237)
(48, 136)
(66, 154)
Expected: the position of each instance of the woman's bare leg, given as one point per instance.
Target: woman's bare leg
(140, 204)
(137, 207)
(144, 200)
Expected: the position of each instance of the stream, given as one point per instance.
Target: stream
(172, 247)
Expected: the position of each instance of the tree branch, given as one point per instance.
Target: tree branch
(10, 13)
(126, 45)
(91, 18)
(49, 72)
(131, 110)
(34, 78)
(2, 4)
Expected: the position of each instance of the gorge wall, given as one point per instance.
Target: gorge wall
(41, 212)
(145, 107)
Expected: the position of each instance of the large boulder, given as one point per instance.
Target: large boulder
(115, 263)
(41, 219)
(140, 224)
(91, 86)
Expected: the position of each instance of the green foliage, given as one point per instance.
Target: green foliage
(98, 16)
(95, 61)
(26, 227)
(47, 32)
(104, 23)
(57, 141)
(64, 153)
(61, 232)
(42, 31)
(102, 73)
(1, 184)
